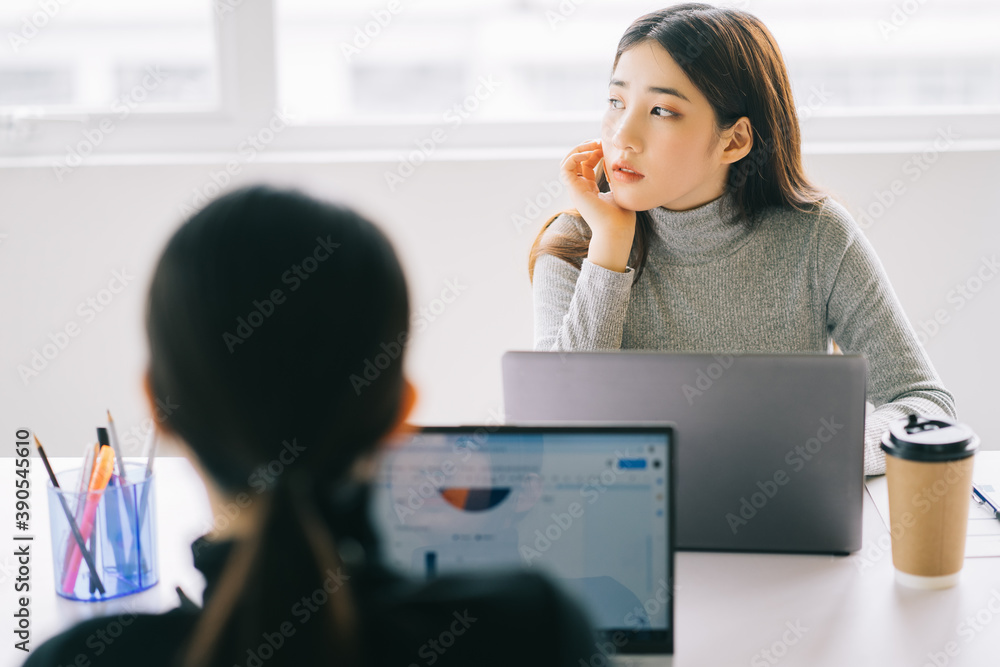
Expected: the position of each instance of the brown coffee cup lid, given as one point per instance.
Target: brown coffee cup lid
(919, 438)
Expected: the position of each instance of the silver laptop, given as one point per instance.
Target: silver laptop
(770, 446)
(589, 506)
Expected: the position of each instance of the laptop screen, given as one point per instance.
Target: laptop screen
(588, 506)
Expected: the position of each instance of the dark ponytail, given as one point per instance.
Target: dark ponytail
(276, 404)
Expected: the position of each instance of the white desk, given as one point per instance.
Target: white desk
(730, 607)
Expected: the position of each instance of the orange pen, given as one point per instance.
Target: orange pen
(103, 467)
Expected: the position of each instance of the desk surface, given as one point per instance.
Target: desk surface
(730, 608)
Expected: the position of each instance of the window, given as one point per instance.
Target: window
(366, 79)
(92, 55)
(380, 59)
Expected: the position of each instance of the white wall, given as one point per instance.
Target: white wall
(450, 220)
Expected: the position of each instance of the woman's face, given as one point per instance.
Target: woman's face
(659, 124)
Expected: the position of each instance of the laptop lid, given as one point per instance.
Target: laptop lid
(589, 506)
(770, 446)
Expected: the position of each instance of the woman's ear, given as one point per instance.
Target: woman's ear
(406, 403)
(737, 141)
(147, 385)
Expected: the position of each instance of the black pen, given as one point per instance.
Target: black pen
(72, 522)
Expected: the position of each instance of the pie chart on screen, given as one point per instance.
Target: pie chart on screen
(471, 499)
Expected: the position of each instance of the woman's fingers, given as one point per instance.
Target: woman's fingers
(581, 161)
(581, 151)
(588, 164)
(586, 146)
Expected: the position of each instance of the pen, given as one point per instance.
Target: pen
(111, 503)
(114, 523)
(90, 543)
(982, 499)
(89, 455)
(144, 500)
(122, 477)
(98, 481)
(81, 543)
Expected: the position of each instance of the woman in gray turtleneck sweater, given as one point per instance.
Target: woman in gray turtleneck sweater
(708, 236)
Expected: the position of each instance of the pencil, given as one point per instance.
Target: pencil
(118, 450)
(69, 516)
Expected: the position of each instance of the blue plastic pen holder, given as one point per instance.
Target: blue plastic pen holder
(120, 536)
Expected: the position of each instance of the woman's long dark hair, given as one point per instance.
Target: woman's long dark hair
(263, 312)
(732, 58)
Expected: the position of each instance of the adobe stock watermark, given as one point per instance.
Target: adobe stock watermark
(432, 650)
(134, 438)
(968, 629)
(246, 152)
(780, 647)
(816, 99)
(455, 116)
(123, 106)
(899, 15)
(636, 619)
(767, 489)
(381, 18)
(303, 610)
(751, 163)
(88, 310)
(372, 368)
(705, 377)
(923, 500)
(32, 25)
(915, 167)
(562, 522)
(961, 295)
(535, 206)
(104, 637)
(562, 12)
(223, 8)
(263, 478)
(436, 478)
(262, 309)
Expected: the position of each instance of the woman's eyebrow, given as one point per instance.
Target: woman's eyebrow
(652, 89)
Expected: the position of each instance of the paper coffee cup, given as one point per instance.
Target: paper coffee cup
(928, 466)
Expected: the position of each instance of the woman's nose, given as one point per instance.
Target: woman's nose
(625, 135)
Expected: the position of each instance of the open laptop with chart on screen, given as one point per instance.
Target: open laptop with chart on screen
(590, 506)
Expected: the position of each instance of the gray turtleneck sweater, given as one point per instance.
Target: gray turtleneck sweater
(792, 284)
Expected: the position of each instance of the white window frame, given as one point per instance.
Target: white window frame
(249, 99)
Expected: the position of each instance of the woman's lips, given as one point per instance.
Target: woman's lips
(625, 173)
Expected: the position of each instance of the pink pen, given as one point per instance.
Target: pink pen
(103, 468)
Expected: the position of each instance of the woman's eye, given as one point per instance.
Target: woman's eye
(612, 100)
(666, 112)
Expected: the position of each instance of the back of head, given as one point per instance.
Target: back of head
(264, 311)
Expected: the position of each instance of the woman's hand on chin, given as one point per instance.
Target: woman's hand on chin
(613, 227)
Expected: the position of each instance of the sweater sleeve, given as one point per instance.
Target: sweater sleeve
(578, 309)
(864, 315)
